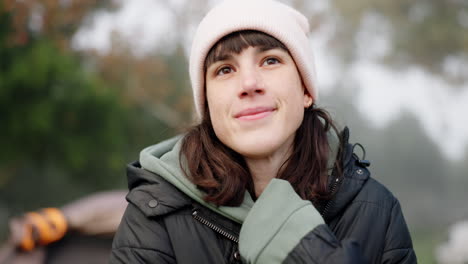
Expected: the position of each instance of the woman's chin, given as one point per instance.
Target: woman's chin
(257, 149)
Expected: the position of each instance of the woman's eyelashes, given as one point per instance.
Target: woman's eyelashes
(270, 61)
(226, 69)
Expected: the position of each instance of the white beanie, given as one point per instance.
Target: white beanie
(271, 17)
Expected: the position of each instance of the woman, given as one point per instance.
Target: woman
(263, 178)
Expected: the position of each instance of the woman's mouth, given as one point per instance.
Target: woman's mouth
(254, 113)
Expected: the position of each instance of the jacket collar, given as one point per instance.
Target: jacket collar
(152, 194)
(350, 183)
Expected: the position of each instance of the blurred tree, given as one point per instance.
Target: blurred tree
(54, 116)
(65, 131)
(432, 34)
(157, 83)
(57, 20)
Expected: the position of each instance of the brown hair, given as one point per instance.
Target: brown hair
(223, 173)
(238, 41)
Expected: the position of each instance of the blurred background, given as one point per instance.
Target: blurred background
(85, 85)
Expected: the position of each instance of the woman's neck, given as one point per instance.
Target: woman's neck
(264, 169)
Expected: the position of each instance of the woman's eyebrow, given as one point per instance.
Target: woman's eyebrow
(263, 49)
(222, 57)
(266, 48)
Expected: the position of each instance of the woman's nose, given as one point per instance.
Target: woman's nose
(252, 84)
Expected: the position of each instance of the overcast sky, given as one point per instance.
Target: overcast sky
(382, 96)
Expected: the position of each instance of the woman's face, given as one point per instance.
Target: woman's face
(256, 101)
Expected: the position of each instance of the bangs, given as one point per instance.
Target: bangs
(238, 41)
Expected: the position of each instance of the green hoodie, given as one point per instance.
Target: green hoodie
(271, 227)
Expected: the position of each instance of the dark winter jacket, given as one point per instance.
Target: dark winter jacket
(167, 220)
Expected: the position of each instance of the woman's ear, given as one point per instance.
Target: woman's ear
(307, 99)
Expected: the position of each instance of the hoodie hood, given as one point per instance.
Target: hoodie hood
(163, 159)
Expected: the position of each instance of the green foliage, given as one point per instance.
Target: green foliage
(65, 132)
(52, 107)
(55, 115)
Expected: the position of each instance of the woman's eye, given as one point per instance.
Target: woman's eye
(270, 61)
(224, 70)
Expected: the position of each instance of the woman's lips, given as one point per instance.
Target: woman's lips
(254, 113)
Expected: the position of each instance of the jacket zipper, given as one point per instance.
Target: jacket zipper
(333, 189)
(214, 227)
